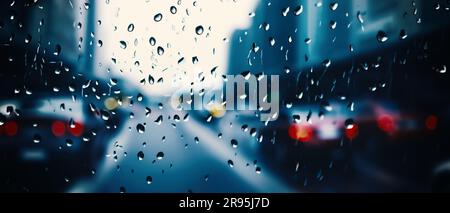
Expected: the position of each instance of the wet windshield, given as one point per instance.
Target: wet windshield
(224, 96)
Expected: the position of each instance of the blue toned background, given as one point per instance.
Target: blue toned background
(85, 100)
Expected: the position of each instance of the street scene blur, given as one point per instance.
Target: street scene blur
(224, 96)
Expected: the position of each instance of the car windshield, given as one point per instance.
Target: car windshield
(231, 95)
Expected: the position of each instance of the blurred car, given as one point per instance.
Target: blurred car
(56, 118)
(54, 139)
(359, 111)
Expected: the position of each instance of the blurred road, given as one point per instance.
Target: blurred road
(188, 164)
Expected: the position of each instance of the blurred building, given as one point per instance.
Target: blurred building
(299, 34)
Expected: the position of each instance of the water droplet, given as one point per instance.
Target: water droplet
(403, 34)
(442, 69)
(255, 48)
(437, 6)
(71, 123)
(130, 28)
(159, 120)
(258, 170)
(307, 41)
(296, 118)
(266, 26)
(230, 163)
(28, 39)
(334, 6)
(234, 143)
(69, 143)
(2, 119)
(105, 115)
(272, 41)
(332, 25)
(244, 128)
(140, 97)
(326, 63)
(158, 17)
(151, 80)
(285, 11)
(57, 50)
(349, 123)
(149, 180)
(382, 36)
(123, 44)
(360, 17)
(160, 155)
(36, 138)
(160, 50)
(122, 189)
(152, 41)
(298, 10)
(253, 132)
(199, 30)
(140, 155)
(140, 128)
(173, 9)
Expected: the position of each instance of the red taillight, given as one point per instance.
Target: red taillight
(75, 129)
(11, 128)
(301, 132)
(386, 123)
(58, 128)
(431, 122)
(351, 131)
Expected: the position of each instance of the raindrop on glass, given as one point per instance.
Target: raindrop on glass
(160, 155)
(332, 25)
(123, 44)
(258, 170)
(140, 155)
(334, 6)
(349, 123)
(140, 128)
(159, 120)
(298, 10)
(199, 30)
(382, 36)
(36, 138)
(130, 28)
(28, 39)
(57, 50)
(173, 9)
(149, 180)
(230, 163)
(152, 41)
(158, 17)
(234, 143)
(403, 34)
(160, 50)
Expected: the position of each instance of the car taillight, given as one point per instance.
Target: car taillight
(76, 129)
(351, 131)
(301, 132)
(431, 122)
(387, 124)
(11, 128)
(58, 128)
